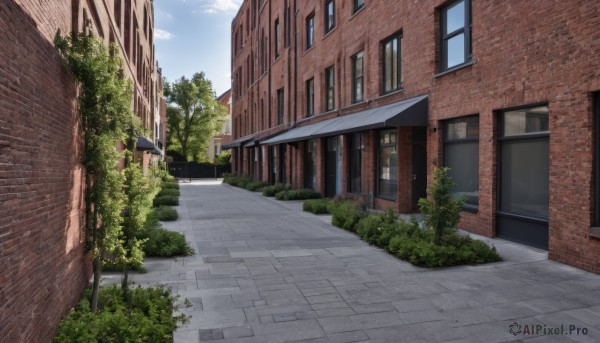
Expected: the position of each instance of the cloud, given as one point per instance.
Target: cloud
(162, 34)
(222, 6)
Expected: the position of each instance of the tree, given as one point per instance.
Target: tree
(193, 115)
(441, 211)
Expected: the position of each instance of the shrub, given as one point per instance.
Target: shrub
(166, 200)
(317, 206)
(237, 181)
(166, 213)
(254, 186)
(170, 185)
(347, 214)
(165, 243)
(168, 191)
(146, 317)
(297, 194)
(270, 191)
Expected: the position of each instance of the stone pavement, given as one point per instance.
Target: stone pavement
(267, 272)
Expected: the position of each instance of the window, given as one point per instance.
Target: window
(329, 15)
(455, 34)
(310, 97)
(310, 180)
(597, 161)
(330, 88)
(392, 63)
(310, 31)
(276, 38)
(358, 4)
(461, 155)
(358, 80)
(356, 149)
(280, 106)
(387, 164)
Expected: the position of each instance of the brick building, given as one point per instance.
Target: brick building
(363, 98)
(216, 142)
(44, 265)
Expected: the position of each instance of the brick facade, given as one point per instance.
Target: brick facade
(44, 265)
(523, 53)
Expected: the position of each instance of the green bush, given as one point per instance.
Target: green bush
(317, 206)
(347, 214)
(165, 243)
(168, 191)
(297, 194)
(270, 191)
(166, 213)
(166, 200)
(255, 186)
(146, 317)
(170, 185)
(237, 181)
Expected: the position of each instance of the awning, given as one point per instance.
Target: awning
(257, 141)
(409, 112)
(143, 144)
(239, 142)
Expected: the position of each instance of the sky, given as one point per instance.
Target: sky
(193, 36)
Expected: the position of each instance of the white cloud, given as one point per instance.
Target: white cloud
(162, 34)
(222, 6)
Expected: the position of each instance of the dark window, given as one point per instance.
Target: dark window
(461, 155)
(358, 79)
(392, 63)
(358, 4)
(456, 34)
(356, 151)
(276, 33)
(524, 162)
(330, 88)
(310, 31)
(280, 106)
(311, 164)
(329, 15)
(387, 164)
(310, 97)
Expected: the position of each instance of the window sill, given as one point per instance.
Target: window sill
(390, 93)
(470, 208)
(308, 50)
(595, 232)
(453, 69)
(387, 199)
(328, 33)
(357, 12)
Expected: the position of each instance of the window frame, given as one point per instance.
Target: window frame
(310, 97)
(355, 78)
(359, 152)
(310, 31)
(280, 105)
(356, 6)
(276, 41)
(329, 26)
(394, 196)
(449, 142)
(384, 43)
(445, 36)
(330, 86)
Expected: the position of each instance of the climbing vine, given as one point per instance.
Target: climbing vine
(116, 201)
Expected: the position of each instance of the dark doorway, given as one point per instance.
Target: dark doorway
(332, 167)
(310, 163)
(273, 165)
(419, 165)
(523, 180)
(282, 163)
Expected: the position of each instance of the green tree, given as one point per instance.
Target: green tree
(441, 211)
(193, 115)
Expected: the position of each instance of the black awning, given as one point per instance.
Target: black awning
(409, 112)
(239, 142)
(143, 144)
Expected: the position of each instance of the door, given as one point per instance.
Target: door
(523, 181)
(419, 165)
(273, 165)
(282, 163)
(332, 170)
(310, 174)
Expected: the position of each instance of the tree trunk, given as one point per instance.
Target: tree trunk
(96, 285)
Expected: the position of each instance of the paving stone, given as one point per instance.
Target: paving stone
(284, 317)
(238, 331)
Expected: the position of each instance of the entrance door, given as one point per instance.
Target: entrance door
(419, 165)
(332, 168)
(273, 165)
(522, 214)
(282, 163)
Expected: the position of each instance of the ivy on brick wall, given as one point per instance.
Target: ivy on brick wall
(117, 202)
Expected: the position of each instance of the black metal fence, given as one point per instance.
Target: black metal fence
(193, 170)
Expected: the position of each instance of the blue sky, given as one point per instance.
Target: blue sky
(193, 36)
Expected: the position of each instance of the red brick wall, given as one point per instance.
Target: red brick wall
(43, 265)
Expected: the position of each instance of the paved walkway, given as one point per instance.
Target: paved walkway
(267, 272)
